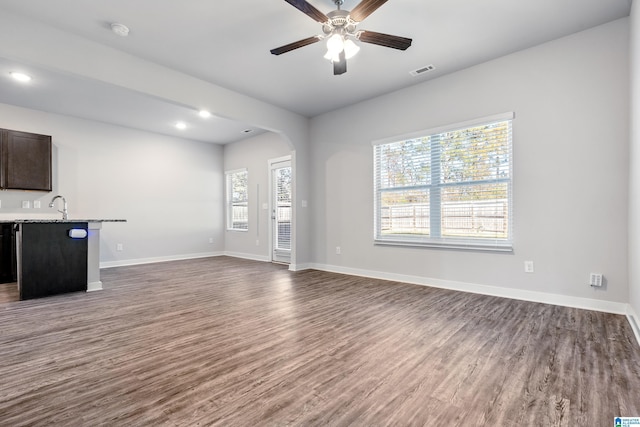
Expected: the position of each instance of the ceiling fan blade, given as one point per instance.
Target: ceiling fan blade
(308, 9)
(340, 67)
(295, 45)
(365, 8)
(386, 40)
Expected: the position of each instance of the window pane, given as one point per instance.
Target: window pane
(283, 208)
(240, 216)
(404, 163)
(448, 188)
(475, 154)
(239, 187)
(238, 200)
(405, 212)
(479, 211)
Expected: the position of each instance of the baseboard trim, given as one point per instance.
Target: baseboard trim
(252, 257)
(634, 321)
(153, 260)
(300, 267)
(533, 296)
(94, 286)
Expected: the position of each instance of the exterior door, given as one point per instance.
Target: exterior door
(281, 209)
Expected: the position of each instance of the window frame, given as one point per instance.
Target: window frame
(230, 204)
(435, 213)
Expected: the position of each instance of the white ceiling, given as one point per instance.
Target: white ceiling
(227, 42)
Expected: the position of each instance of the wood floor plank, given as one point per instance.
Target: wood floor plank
(229, 342)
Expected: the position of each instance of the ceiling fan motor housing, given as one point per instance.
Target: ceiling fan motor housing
(340, 22)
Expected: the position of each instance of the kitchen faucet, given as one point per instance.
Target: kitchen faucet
(64, 212)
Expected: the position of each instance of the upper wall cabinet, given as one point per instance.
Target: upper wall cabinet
(25, 161)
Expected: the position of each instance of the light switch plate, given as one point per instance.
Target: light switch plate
(26, 204)
(36, 204)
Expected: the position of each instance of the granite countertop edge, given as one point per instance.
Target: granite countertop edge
(30, 221)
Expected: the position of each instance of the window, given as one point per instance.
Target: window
(448, 187)
(237, 200)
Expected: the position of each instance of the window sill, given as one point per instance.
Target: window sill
(476, 246)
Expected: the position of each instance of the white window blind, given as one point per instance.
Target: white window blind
(448, 187)
(237, 195)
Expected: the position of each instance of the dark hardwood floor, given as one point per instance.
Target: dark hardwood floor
(229, 342)
(9, 292)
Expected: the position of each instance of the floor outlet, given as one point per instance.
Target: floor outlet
(528, 266)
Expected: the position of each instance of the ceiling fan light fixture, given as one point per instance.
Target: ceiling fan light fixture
(336, 44)
(350, 49)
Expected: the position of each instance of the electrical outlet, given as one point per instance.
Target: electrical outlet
(36, 204)
(528, 266)
(210, 240)
(595, 280)
(119, 247)
(338, 250)
(26, 204)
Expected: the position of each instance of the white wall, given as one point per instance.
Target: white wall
(634, 165)
(570, 97)
(51, 48)
(254, 154)
(168, 189)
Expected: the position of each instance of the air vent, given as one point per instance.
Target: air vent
(422, 70)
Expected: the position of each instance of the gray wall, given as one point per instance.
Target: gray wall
(90, 60)
(571, 132)
(634, 178)
(254, 154)
(168, 189)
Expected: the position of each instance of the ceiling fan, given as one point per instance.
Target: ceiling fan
(340, 30)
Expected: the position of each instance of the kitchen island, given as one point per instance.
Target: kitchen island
(54, 256)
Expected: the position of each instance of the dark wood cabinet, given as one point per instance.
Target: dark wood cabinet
(7, 253)
(25, 161)
(50, 262)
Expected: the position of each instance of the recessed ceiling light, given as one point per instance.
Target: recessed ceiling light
(181, 125)
(204, 114)
(21, 77)
(120, 29)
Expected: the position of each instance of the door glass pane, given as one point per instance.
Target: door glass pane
(283, 208)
